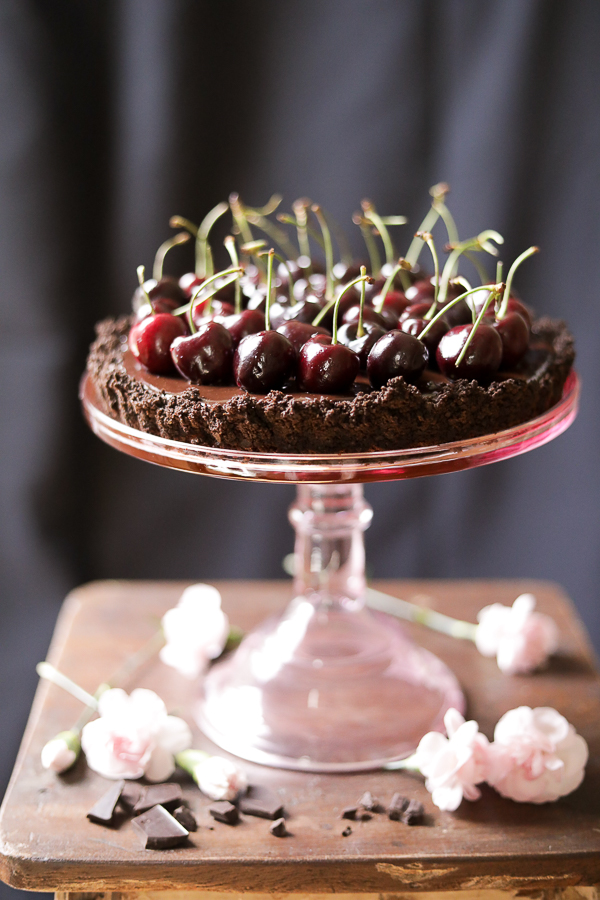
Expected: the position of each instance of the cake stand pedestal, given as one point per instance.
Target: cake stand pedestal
(329, 685)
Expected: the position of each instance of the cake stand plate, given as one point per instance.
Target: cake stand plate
(329, 685)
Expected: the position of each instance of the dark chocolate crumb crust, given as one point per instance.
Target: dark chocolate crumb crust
(396, 417)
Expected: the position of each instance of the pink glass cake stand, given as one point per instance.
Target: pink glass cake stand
(328, 685)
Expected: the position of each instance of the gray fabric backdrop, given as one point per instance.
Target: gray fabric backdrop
(114, 115)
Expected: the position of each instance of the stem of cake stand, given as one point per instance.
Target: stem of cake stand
(328, 685)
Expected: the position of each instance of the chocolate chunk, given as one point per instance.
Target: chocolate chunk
(349, 812)
(363, 815)
(130, 794)
(278, 828)
(414, 812)
(186, 818)
(159, 830)
(262, 802)
(103, 810)
(224, 811)
(167, 795)
(367, 801)
(397, 806)
(346, 832)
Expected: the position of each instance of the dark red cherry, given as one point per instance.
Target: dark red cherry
(421, 291)
(415, 311)
(150, 341)
(516, 306)
(415, 325)
(361, 345)
(240, 325)
(395, 300)
(300, 332)
(263, 362)
(219, 310)
(350, 299)
(205, 357)
(482, 358)
(514, 334)
(302, 311)
(189, 282)
(160, 305)
(326, 368)
(320, 339)
(165, 296)
(372, 290)
(394, 354)
(369, 315)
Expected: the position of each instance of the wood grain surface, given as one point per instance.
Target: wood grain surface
(47, 844)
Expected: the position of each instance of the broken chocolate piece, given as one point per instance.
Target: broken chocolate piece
(349, 812)
(167, 795)
(367, 801)
(363, 815)
(185, 817)
(397, 806)
(130, 794)
(414, 812)
(346, 832)
(103, 810)
(261, 802)
(224, 811)
(159, 830)
(278, 828)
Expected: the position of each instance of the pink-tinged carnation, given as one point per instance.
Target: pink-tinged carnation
(134, 736)
(453, 766)
(220, 778)
(196, 630)
(537, 756)
(519, 638)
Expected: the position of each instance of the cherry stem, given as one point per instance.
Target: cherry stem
(365, 228)
(483, 275)
(266, 210)
(290, 276)
(336, 305)
(189, 307)
(141, 274)
(427, 238)
(509, 279)
(204, 264)
(360, 329)
(399, 267)
(499, 267)
(340, 237)
(159, 260)
(300, 207)
(491, 296)
(448, 220)
(181, 222)
(416, 245)
(235, 262)
(373, 216)
(270, 255)
(329, 283)
(277, 235)
(50, 673)
(290, 220)
(449, 305)
(478, 243)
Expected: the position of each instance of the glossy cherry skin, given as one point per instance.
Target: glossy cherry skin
(394, 354)
(205, 357)
(263, 362)
(300, 332)
(482, 359)
(421, 291)
(514, 334)
(240, 325)
(516, 306)
(189, 282)
(361, 345)
(416, 324)
(150, 341)
(219, 310)
(394, 300)
(326, 368)
(369, 315)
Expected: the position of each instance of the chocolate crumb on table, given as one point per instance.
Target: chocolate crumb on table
(186, 818)
(413, 814)
(224, 811)
(398, 804)
(103, 810)
(278, 828)
(346, 832)
(262, 802)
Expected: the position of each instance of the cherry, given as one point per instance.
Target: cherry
(150, 341)
(326, 368)
(416, 324)
(263, 362)
(361, 345)
(394, 300)
(240, 325)
(421, 291)
(300, 332)
(189, 282)
(514, 334)
(483, 355)
(516, 306)
(394, 354)
(369, 315)
(415, 310)
(219, 310)
(204, 357)
(302, 311)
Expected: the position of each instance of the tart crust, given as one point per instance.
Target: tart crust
(398, 416)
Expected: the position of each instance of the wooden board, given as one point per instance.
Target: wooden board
(48, 844)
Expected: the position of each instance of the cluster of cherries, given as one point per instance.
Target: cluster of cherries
(319, 327)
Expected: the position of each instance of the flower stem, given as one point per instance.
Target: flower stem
(410, 612)
(50, 673)
(409, 763)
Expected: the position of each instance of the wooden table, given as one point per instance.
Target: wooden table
(491, 846)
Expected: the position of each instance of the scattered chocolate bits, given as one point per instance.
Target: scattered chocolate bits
(224, 811)
(370, 803)
(402, 809)
(186, 818)
(278, 828)
(262, 802)
(167, 795)
(349, 812)
(347, 832)
(397, 806)
(103, 810)
(159, 829)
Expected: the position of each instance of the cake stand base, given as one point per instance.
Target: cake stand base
(328, 686)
